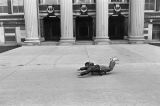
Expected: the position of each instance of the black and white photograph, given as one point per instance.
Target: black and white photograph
(79, 52)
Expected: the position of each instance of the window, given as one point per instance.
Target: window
(40, 1)
(49, 2)
(17, 6)
(3, 6)
(83, 1)
(156, 32)
(149, 4)
(11, 6)
(3, 3)
(116, 0)
(157, 5)
(123, 1)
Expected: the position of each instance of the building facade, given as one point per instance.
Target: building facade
(70, 21)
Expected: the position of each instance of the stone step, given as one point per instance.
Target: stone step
(48, 43)
(54, 43)
(118, 41)
(156, 43)
(84, 42)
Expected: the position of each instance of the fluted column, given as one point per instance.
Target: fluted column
(136, 21)
(102, 22)
(66, 22)
(2, 35)
(31, 21)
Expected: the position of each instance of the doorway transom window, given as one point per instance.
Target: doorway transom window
(83, 1)
(122, 1)
(49, 2)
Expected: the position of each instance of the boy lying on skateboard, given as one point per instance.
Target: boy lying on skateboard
(100, 69)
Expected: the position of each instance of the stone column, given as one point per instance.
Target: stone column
(150, 27)
(66, 22)
(2, 38)
(18, 35)
(102, 22)
(31, 21)
(136, 21)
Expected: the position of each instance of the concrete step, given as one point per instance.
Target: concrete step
(49, 43)
(54, 43)
(156, 43)
(118, 41)
(84, 43)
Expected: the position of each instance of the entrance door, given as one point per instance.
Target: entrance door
(84, 28)
(116, 27)
(52, 29)
(156, 32)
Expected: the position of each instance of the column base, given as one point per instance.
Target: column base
(136, 40)
(32, 41)
(102, 41)
(67, 41)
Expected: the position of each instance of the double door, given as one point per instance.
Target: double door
(84, 28)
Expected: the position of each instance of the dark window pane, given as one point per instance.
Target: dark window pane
(15, 9)
(3, 6)
(149, 4)
(152, 6)
(116, 0)
(50, 2)
(84, 1)
(9, 30)
(18, 6)
(156, 32)
(158, 5)
(3, 9)
(18, 9)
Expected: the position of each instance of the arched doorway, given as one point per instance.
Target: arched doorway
(84, 28)
(51, 28)
(116, 27)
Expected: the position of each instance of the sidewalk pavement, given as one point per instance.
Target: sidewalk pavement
(47, 76)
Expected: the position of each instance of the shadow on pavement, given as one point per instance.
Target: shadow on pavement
(7, 48)
(155, 44)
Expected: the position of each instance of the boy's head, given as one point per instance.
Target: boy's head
(87, 64)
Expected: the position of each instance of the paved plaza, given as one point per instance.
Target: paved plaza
(47, 76)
